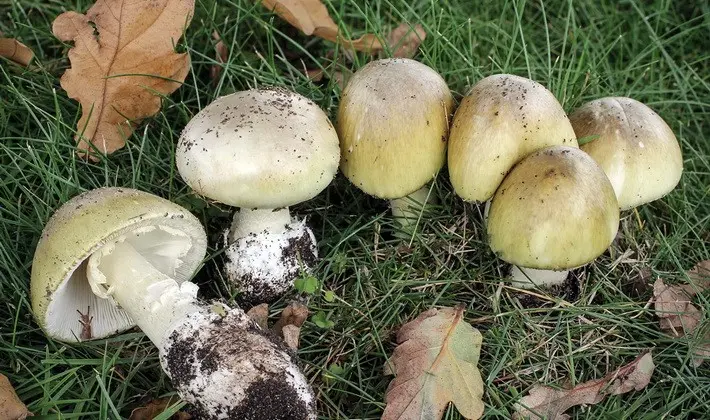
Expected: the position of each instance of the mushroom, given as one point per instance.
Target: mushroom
(633, 145)
(501, 120)
(262, 150)
(556, 210)
(126, 256)
(393, 123)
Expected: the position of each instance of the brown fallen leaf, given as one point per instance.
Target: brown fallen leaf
(260, 315)
(435, 363)
(700, 275)
(312, 18)
(544, 402)
(11, 408)
(289, 325)
(16, 51)
(122, 61)
(221, 54)
(677, 315)
(157, 407)
(404, 40)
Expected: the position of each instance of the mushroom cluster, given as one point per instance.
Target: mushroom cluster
(553, 187)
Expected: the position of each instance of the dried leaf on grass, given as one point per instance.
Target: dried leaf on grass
(157, 407)
(288, 327)
(122, 61)
(312, 18)
(436, 364)
(16, 51)
(677, 315)
(544, 402)
(11, 408)
(404, 40)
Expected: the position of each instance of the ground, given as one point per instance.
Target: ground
(654, 51)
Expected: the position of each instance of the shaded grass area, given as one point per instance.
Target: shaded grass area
(653, 51)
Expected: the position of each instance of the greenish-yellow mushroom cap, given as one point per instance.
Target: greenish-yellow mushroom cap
(165, 234)
(500, 121)
(393, 124)
(555, 210)
(635, 147)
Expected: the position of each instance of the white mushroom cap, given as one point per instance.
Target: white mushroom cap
(164, 233)
(393, 123)
(554, 211)
(500, 121)
(635, 147)
(262, 148)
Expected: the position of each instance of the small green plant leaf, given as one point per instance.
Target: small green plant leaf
(321, 320)
(329, 296)
(587, 139)
(308, 284)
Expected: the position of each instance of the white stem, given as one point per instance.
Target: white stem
(152, 299)
(254, 221)
(529, 278)
(407, 210)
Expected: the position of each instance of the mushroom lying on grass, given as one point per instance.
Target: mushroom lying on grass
(127, 256)
(393, 124)
(262, 150)
(556, 210)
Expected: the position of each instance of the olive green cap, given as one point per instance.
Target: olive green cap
(635, 147)
(556, 210)
(393, 124)
(59, 287)
(501, 120)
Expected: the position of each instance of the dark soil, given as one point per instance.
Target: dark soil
(222, 344)
(300, 252)
(569, 291)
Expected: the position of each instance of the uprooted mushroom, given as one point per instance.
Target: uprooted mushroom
(127, 256)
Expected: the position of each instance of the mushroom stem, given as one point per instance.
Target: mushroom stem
(529, 278)
(407, 210)
(254, 221)
(154, 300)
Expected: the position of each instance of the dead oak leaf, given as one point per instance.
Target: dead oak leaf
(544, 402)
(700, 275)
(435, 363)
(677, 315)
(404, 40)
(123, 59)
(11, 408)
(312, 18)
(157, 407)
(16, 51)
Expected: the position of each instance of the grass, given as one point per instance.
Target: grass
(652, 50)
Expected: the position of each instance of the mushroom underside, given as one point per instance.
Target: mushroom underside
(77, 313)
